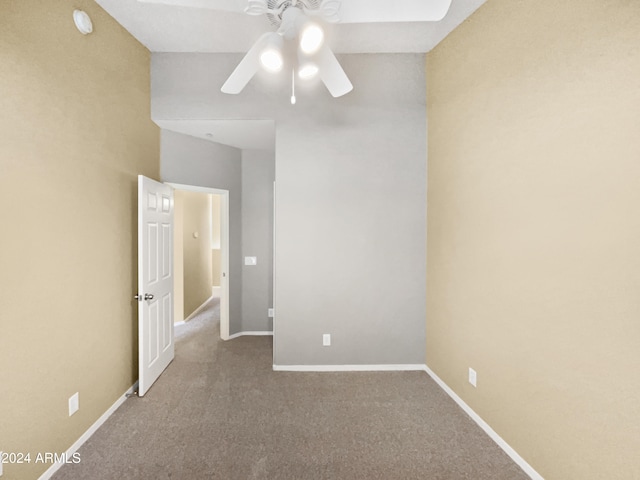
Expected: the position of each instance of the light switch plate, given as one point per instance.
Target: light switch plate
(250, 260)
(326, 340)
(270, 313)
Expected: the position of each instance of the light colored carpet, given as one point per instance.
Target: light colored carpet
(220, 412)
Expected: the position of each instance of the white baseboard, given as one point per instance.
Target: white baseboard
(249, 334)
(86, 435)
(199, 309)
(521, 462)
(347, 368)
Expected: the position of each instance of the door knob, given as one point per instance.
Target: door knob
(148, 296)
(137, 297)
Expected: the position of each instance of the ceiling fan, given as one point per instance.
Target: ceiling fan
(297, 21)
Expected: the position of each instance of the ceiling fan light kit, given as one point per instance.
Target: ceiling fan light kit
(295, 21)
(271, 60)
(308, 71)
(313, 55)
(271, 56)
(311, 38)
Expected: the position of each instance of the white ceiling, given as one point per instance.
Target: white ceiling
(166, 28)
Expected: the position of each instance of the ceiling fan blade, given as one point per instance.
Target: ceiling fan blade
(223, 5)
(332, 74)
(378, 11)
(247, 67)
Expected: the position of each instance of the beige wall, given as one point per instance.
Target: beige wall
(534, 228)
(215, 240)
(216, 270)
(74, 117)
(196, 251)
(178, 256)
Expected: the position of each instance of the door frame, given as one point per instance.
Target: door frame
(224, 249)
(273, 299)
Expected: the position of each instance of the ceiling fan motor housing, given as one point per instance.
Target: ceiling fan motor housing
(283, 5)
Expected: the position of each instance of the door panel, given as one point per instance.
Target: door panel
(152, 254)
(167, 323)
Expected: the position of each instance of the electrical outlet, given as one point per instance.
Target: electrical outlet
(74, 403)
(326, 340)
(473, 377)
(250, 260)
(270, 313)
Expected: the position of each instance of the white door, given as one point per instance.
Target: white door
(155, 280)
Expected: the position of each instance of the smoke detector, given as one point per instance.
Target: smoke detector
(83, 22)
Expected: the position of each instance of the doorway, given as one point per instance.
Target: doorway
(222, 248)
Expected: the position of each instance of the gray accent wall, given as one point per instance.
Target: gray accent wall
(350, 200)
(258, 174)
(191, 161)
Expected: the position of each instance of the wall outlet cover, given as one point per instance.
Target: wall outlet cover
(250, 260)
(473, 377)
(326, 340)
(74, 403)
(270, 313)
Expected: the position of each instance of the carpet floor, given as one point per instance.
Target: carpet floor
(220, 412)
